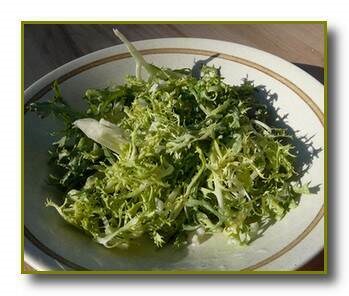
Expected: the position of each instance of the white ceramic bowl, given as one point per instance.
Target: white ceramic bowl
(50, 243)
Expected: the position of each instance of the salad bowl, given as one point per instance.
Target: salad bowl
(51, 244)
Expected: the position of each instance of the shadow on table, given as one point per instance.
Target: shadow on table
(315, 71)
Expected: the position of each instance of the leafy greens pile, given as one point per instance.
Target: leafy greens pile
(170, 156)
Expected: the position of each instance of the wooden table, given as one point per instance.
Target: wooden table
(47, 47)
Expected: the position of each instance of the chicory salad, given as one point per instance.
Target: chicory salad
(170, 156)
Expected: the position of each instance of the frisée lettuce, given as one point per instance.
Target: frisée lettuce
(169, 156)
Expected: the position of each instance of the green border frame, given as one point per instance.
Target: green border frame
(180, 272)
